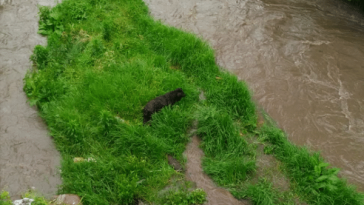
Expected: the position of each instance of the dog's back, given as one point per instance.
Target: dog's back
(159, 102)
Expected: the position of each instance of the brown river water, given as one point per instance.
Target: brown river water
(303, 60)
(28, 157)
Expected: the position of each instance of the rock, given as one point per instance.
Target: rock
(78, 159)
(141, 203)
(25, 201)
(67, 199)
(175, 164)
(121, 120)
(81, 159)
(90, 159)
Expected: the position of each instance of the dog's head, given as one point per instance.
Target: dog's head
(180, 93)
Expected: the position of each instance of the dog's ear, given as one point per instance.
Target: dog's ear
(181, 94)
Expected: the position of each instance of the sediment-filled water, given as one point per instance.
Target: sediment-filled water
(303, 60)
(28, 157)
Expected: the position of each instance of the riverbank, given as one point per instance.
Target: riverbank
(104, 61)
(297, 57)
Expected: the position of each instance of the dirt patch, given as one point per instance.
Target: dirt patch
(175, 164)
(269, 167)
(194, 173)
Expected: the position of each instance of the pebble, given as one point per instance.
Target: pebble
(67, 199)
(25, 201)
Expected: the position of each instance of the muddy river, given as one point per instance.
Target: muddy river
(303, 60)
(28, 158)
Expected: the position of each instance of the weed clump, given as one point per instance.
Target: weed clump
(40, 57)
(260, 193)
(185, 197)
(5, 198)
(317, 183)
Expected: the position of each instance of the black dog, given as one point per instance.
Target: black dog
(161, 101)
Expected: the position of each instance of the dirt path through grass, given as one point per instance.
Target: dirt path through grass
(194, 172)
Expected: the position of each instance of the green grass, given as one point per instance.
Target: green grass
(260, 193)
(184, 197)
(105, 59)
(5, 198)
(226, 152)
(309, 173)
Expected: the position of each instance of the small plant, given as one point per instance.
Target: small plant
(78, 10)
(325, 179)
(262, 193)
(268, 149)
(184, 197)
(39, 57)
(127, 186)
(5, 198)
(38, 199)
(50, 21)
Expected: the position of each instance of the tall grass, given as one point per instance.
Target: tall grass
(317, 183)
(226, 152)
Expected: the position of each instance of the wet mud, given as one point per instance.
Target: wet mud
(268, 167)
(303, 60)
(194, 173)
(28, 157)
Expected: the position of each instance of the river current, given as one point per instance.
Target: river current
(302, 59)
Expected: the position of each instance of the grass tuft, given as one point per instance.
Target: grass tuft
(225, 150)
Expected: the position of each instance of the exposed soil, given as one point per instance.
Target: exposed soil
(194, 173)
